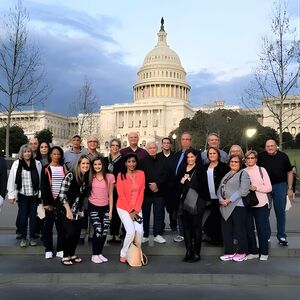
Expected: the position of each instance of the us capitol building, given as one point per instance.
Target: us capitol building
(160, 101)
(160, 98)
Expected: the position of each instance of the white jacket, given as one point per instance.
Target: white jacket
(12, 192)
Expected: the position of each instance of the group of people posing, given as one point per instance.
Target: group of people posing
(79, 187)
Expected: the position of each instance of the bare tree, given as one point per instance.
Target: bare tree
(278, 72)
(21, 73)
(84, 107)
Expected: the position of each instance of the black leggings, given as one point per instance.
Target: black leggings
(100, 220)
(192, 231)
(71, 234)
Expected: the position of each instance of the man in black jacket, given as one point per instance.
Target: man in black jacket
(156, 175)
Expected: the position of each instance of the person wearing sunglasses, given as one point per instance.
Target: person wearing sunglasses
(234, 185)
(261, 184)
(114, 164)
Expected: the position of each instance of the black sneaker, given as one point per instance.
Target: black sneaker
(283, 242)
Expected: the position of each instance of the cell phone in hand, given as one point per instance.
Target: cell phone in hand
(138, 219)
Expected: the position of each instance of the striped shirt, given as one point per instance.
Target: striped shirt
(58, 175)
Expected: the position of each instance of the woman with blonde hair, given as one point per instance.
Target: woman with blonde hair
(74, 189)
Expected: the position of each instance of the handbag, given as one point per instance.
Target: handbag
(250, 200)
(135, 256)
(190, 202)
(288, 203)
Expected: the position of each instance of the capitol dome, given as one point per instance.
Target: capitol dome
(161, 77)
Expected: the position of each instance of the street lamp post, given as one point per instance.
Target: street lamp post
(174, 136)
(250, 133)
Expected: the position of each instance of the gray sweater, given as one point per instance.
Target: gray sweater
(235, 188)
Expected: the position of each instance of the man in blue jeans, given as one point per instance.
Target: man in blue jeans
(279, 169)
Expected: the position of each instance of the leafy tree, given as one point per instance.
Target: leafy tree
(44, 135)
(297, 141)
(229, 125)
(21, 74)
(17, 139)
(287, 140)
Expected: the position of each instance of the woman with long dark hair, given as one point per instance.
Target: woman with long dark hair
(74, 189)
(23, 186)
(215, 171)
(130, 186)
(114, 164)
(100, 206)
(52, 178)
(192, 177)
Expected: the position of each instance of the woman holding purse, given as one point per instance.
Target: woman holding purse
(191, 181)
(234, 185)
(130, 187)
(52, 178)
(23, 186)
(261, 184)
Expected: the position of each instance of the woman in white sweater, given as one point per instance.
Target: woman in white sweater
(23, 186)
(261, 184)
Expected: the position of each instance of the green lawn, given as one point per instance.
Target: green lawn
(294, 155)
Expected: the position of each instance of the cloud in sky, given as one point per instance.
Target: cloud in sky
(217, 42)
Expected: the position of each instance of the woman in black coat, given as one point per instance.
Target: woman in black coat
(192, 177)
(215, 170)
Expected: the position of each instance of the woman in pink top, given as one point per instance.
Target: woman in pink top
(100, 206)
(261, 184)
(130, 187)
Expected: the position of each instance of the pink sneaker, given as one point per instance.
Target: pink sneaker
(239, 257)
(227, 257)
(122, 259)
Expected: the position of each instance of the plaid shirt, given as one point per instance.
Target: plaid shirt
(65, 187)
(27, 189)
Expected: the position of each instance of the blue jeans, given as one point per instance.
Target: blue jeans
(279, 191)
(27, 209)
(261, 217)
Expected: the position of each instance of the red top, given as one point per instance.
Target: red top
(129, 187)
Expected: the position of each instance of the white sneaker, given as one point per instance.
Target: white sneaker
(23, 243)
(96, 259)
(178, 238)
(60, 254)
(145, 239)
(103, 258)
(48, 254)
(159, 239)
(264, 257)
(252, 256)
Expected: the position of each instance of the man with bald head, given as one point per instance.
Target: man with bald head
(133, 139)
(33, 144)
(279, 169)
(92, 145)
(156, 175)
(213, 140)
